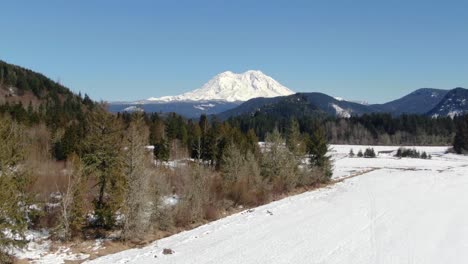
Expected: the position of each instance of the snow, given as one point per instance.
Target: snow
(170, 201)
(231, 87)
(393, 211)
(38, 250)
(340, 112)
(133, 109)
(352, 101)
(203, 107)
(454, 113)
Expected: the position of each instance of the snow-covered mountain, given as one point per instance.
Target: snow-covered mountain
(231, 87)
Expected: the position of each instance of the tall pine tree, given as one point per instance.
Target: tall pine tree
(103, 159)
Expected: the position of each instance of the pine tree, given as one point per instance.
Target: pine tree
(460, 143)
(13, 183)
(369, 153)
(104, 160)
(318, 148)
(162, 150)
(294, 139)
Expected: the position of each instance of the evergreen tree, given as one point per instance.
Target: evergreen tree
(360, 154)
(318, 148)
(460, 144)
(369, 153)
(294, 139)
(162, 150)
(13, 183)
(103, 159)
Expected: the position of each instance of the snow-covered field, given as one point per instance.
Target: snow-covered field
(394, 211)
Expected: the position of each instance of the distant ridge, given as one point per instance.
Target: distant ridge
(425, 101)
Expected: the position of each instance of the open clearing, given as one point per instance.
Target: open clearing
(402, 211)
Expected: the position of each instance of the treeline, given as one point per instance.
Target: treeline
(373, 129)
(96, 175)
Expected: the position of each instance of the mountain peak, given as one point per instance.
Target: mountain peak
(233, 87)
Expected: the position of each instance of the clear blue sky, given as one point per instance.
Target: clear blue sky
(126, 50)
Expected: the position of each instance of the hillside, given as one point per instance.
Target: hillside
(31, 97)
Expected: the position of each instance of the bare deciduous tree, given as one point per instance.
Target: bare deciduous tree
(136, 209)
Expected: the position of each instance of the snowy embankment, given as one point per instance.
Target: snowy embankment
(395, 211)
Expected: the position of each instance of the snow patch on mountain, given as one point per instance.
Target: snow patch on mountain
(352, 101)
(455, 113)
(133, 108)
(203, 107)
(232, 87)
(340, 112)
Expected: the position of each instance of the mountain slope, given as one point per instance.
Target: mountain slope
(299, 104)
(455, 102)
(418, 102)
(232, 87)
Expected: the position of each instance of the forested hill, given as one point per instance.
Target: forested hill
(30, 97)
